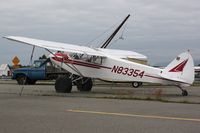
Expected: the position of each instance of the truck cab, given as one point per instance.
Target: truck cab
(42, 69)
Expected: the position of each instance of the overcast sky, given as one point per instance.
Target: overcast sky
(159, 29)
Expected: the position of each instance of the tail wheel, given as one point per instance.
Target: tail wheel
(184, 93)
(136, 84)
(85, 85)
(63, 84)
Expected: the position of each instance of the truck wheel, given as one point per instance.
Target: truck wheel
(87, 86)
(22, 80)
(136, 84)
(31, 82)
(63, 84)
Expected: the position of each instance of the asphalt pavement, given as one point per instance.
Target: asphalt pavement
(22, 114)
(40, 109)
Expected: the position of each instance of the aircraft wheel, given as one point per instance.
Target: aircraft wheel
(87, 86)
(63, 84)
(184, 93)
(136, 84)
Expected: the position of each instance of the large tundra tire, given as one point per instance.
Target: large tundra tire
(63, 84)
(85, 86)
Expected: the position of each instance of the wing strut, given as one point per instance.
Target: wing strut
(114, 33)
(30, 63)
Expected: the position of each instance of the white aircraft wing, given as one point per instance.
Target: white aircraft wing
(123, 53)
(57, 46)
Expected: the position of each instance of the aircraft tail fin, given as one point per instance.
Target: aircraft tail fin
(181, 69)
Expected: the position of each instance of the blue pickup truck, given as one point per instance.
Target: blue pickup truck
(42, 69)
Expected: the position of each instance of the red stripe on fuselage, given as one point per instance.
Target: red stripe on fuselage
(80, 63)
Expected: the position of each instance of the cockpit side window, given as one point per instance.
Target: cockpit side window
(87, 58)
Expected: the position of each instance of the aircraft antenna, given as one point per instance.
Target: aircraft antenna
(122, 34)
(100, 35)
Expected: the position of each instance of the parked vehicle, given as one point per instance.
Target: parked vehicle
(42, 69)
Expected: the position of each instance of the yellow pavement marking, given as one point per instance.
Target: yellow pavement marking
(134, 115)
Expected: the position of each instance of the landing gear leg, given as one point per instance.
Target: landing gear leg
(184, 92)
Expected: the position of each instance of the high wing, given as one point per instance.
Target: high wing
(72, 48)
(123, 54)
(57, 46)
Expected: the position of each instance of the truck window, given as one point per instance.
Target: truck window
(37, 64)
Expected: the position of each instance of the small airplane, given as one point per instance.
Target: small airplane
(85, 63)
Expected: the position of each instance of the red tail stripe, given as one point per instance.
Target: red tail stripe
(179, 67)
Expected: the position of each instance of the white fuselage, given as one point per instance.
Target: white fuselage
(113, 69)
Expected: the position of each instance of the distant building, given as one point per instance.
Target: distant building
(5, 70)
